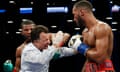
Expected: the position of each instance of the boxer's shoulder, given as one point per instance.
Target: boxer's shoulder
(102, 24)
(19, 49)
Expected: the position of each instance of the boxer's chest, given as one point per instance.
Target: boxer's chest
(89, 38)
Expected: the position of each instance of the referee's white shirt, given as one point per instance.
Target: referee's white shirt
(34, 60)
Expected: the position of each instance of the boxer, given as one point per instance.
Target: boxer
(26, 27)
(97, 44)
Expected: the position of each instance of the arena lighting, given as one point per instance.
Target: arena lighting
(7, 32)
(57, 9)
(26, 10)
(31, 3)
(114, 29)
(53, 26)
(69, 21)
(20, 29)
(12, 2)
(108, 18)
(115, 8)
(114, 22)
(77, 28)
(93, 9)
(74, 0)
(18, 32)
(111, 2)
(24, 19)
(10, 21)
(2, 10)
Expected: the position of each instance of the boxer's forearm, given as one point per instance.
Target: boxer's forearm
(96, 56)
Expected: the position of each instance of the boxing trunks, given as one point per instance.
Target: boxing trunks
(106, 66)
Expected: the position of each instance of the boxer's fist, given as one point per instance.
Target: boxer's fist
(66, 37)
(76, 43)
(59, 38)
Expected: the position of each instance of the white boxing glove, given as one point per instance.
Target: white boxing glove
(74, 41)
(57, 38)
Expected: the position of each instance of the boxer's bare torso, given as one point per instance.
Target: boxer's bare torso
(100, 39)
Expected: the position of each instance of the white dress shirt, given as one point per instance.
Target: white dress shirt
(34, 60)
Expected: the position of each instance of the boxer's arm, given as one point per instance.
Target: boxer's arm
(17, 64)
(18, 60)
(99, 53)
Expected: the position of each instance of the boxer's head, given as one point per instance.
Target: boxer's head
(79, 10)
(26, 27)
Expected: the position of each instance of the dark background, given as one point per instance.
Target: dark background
(10, 39)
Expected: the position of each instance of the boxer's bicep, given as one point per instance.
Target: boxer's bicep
(101, 45)
(102, 40)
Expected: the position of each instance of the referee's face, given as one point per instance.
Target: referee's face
(44, 40)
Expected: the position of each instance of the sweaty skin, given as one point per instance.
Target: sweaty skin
(97, 35)
(18, 56)
(100, 40)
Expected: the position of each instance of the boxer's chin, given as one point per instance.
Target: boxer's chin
(80, 22)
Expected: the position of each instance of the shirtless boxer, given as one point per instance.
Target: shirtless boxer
(26, 27)
(97, 43)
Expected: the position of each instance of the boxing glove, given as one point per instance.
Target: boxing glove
(8, 66)
(57, 39)
(76, 43)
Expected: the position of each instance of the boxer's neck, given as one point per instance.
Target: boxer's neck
(91, 21)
